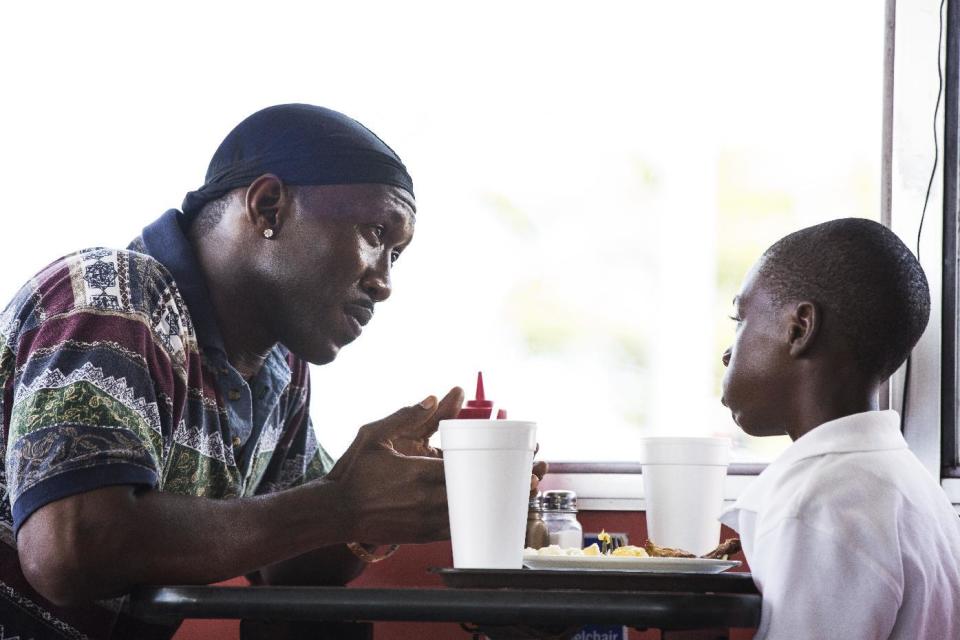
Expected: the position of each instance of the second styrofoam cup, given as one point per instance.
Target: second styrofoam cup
(683, 480)
(487, 465)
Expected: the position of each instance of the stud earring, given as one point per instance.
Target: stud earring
(268, 233)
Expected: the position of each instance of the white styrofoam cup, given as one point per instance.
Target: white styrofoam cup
(487, 465)
(683, 481)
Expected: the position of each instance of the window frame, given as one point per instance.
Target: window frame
(950, 398)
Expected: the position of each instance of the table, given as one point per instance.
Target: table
(486, 598)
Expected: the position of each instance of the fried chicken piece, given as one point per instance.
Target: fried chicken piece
(724, 550)
(666, 552)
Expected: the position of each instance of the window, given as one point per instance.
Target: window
(592, 182)
(616, 174)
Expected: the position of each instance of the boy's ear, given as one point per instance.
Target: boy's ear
(803, 326)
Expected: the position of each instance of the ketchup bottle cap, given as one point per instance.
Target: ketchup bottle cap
(480, 407)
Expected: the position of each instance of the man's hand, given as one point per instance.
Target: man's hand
(415, 442)
(391, 481)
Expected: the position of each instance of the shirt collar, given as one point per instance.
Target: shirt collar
(165, 241)
(867, 431)
(276, 366)
(859, 432)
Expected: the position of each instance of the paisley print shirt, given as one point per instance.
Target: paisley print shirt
(112, 371)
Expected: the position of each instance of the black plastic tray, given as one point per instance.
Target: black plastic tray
(596, 580)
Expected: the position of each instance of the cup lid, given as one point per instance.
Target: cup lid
(708, 451)
(471, 434)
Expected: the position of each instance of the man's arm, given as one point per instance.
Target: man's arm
(336, 564)
(332, 565)
(101, 543)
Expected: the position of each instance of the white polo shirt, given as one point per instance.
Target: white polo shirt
(849, 537)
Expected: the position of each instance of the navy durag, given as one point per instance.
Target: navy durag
(302, 144)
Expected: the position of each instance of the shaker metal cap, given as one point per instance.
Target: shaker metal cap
(536, 502)
(559, 500)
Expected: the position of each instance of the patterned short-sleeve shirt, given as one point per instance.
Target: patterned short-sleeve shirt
(112, 371)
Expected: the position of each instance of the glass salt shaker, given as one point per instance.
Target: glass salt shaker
(537, 535)
(560, 516)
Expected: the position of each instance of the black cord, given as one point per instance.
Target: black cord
(936, 146)
(926, 199)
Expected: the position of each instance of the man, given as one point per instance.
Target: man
(142, 387)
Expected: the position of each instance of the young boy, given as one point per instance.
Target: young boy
(846, 534)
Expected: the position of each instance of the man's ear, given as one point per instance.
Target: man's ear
(266, 204)
(803, 326)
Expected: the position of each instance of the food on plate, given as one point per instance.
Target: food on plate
(724, 550)
(557, 550)
(552, 550)
(657, 551)
(631, 551)
(606, 542)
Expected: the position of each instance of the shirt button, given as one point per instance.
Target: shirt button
(234, 394)
(236, 441)
(224, 371)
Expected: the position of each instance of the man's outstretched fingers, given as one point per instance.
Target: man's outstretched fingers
(451, 403)
(404, 422)
(449, 408)
(373, 434)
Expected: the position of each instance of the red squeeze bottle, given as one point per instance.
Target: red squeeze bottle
(480, 407)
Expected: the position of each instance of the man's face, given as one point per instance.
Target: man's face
(340, 245)
(756, 380)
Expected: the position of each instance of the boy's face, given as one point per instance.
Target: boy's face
(755, 384)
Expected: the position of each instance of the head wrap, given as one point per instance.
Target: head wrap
(302, 144)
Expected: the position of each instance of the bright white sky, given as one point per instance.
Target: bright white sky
(111, 112)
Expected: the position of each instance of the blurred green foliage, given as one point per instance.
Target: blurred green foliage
(554, 321)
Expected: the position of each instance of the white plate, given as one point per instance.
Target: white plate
(628, 563)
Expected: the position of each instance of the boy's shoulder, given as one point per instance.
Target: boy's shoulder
(853, 491)
(848, 459)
